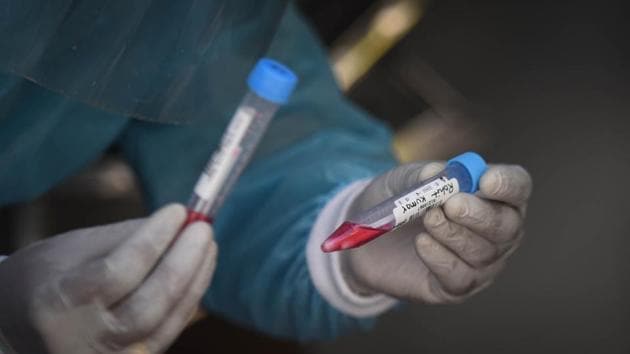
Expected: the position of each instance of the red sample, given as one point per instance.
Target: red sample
(194, 216)
(350, 235)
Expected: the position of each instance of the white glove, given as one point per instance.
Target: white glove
(456, 252)
(107, 289)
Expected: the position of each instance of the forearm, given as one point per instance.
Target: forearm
(315, 147)
(328, 270)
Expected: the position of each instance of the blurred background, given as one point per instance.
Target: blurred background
(545, 84)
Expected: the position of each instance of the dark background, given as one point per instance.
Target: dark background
(553, 79)
(550, 83)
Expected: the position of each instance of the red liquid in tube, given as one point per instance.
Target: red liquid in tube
(350, 235)
(194, 217)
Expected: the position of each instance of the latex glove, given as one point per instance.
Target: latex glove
(114, 288)
(455, 252)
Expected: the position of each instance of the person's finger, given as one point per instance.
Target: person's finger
(164, 288)
(115, 275)
(496, 222)
(180, 316)
(96, 242)
(472, 248)
(431, 169)
(510, 184)
(455, 276)
(401, 178)
(394, 182)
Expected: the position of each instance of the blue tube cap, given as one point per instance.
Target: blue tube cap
(475, 166)
(272, 81)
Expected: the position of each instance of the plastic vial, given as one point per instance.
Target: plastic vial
(270, 86)
(461, 174)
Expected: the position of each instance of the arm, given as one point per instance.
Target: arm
(305, 178)
(315, 148)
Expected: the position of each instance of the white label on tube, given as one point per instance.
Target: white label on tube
(220, 166)
(414, 204)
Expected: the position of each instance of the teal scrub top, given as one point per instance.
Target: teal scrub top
(315, 146)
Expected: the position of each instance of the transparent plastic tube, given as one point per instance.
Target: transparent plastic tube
(270, 84)
(238, 144)
(461, 174)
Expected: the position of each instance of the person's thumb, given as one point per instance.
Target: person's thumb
(408, 176)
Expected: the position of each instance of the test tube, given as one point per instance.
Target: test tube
(270, 86)
(461, 174)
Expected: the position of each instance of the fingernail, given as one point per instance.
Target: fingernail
(423, 241)
(498, 180)
(434, 217)
(213, 248)
(430, 170)
(200, 232)
(457, 206)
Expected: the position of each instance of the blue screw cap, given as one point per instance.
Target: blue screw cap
(272, 81)
(475, 166)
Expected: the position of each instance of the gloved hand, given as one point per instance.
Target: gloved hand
(114, 288)
(455, 252)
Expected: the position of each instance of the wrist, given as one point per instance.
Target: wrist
(325, 269)
(350, 276)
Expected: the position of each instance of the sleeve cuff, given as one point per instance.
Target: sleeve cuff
(325, 268)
